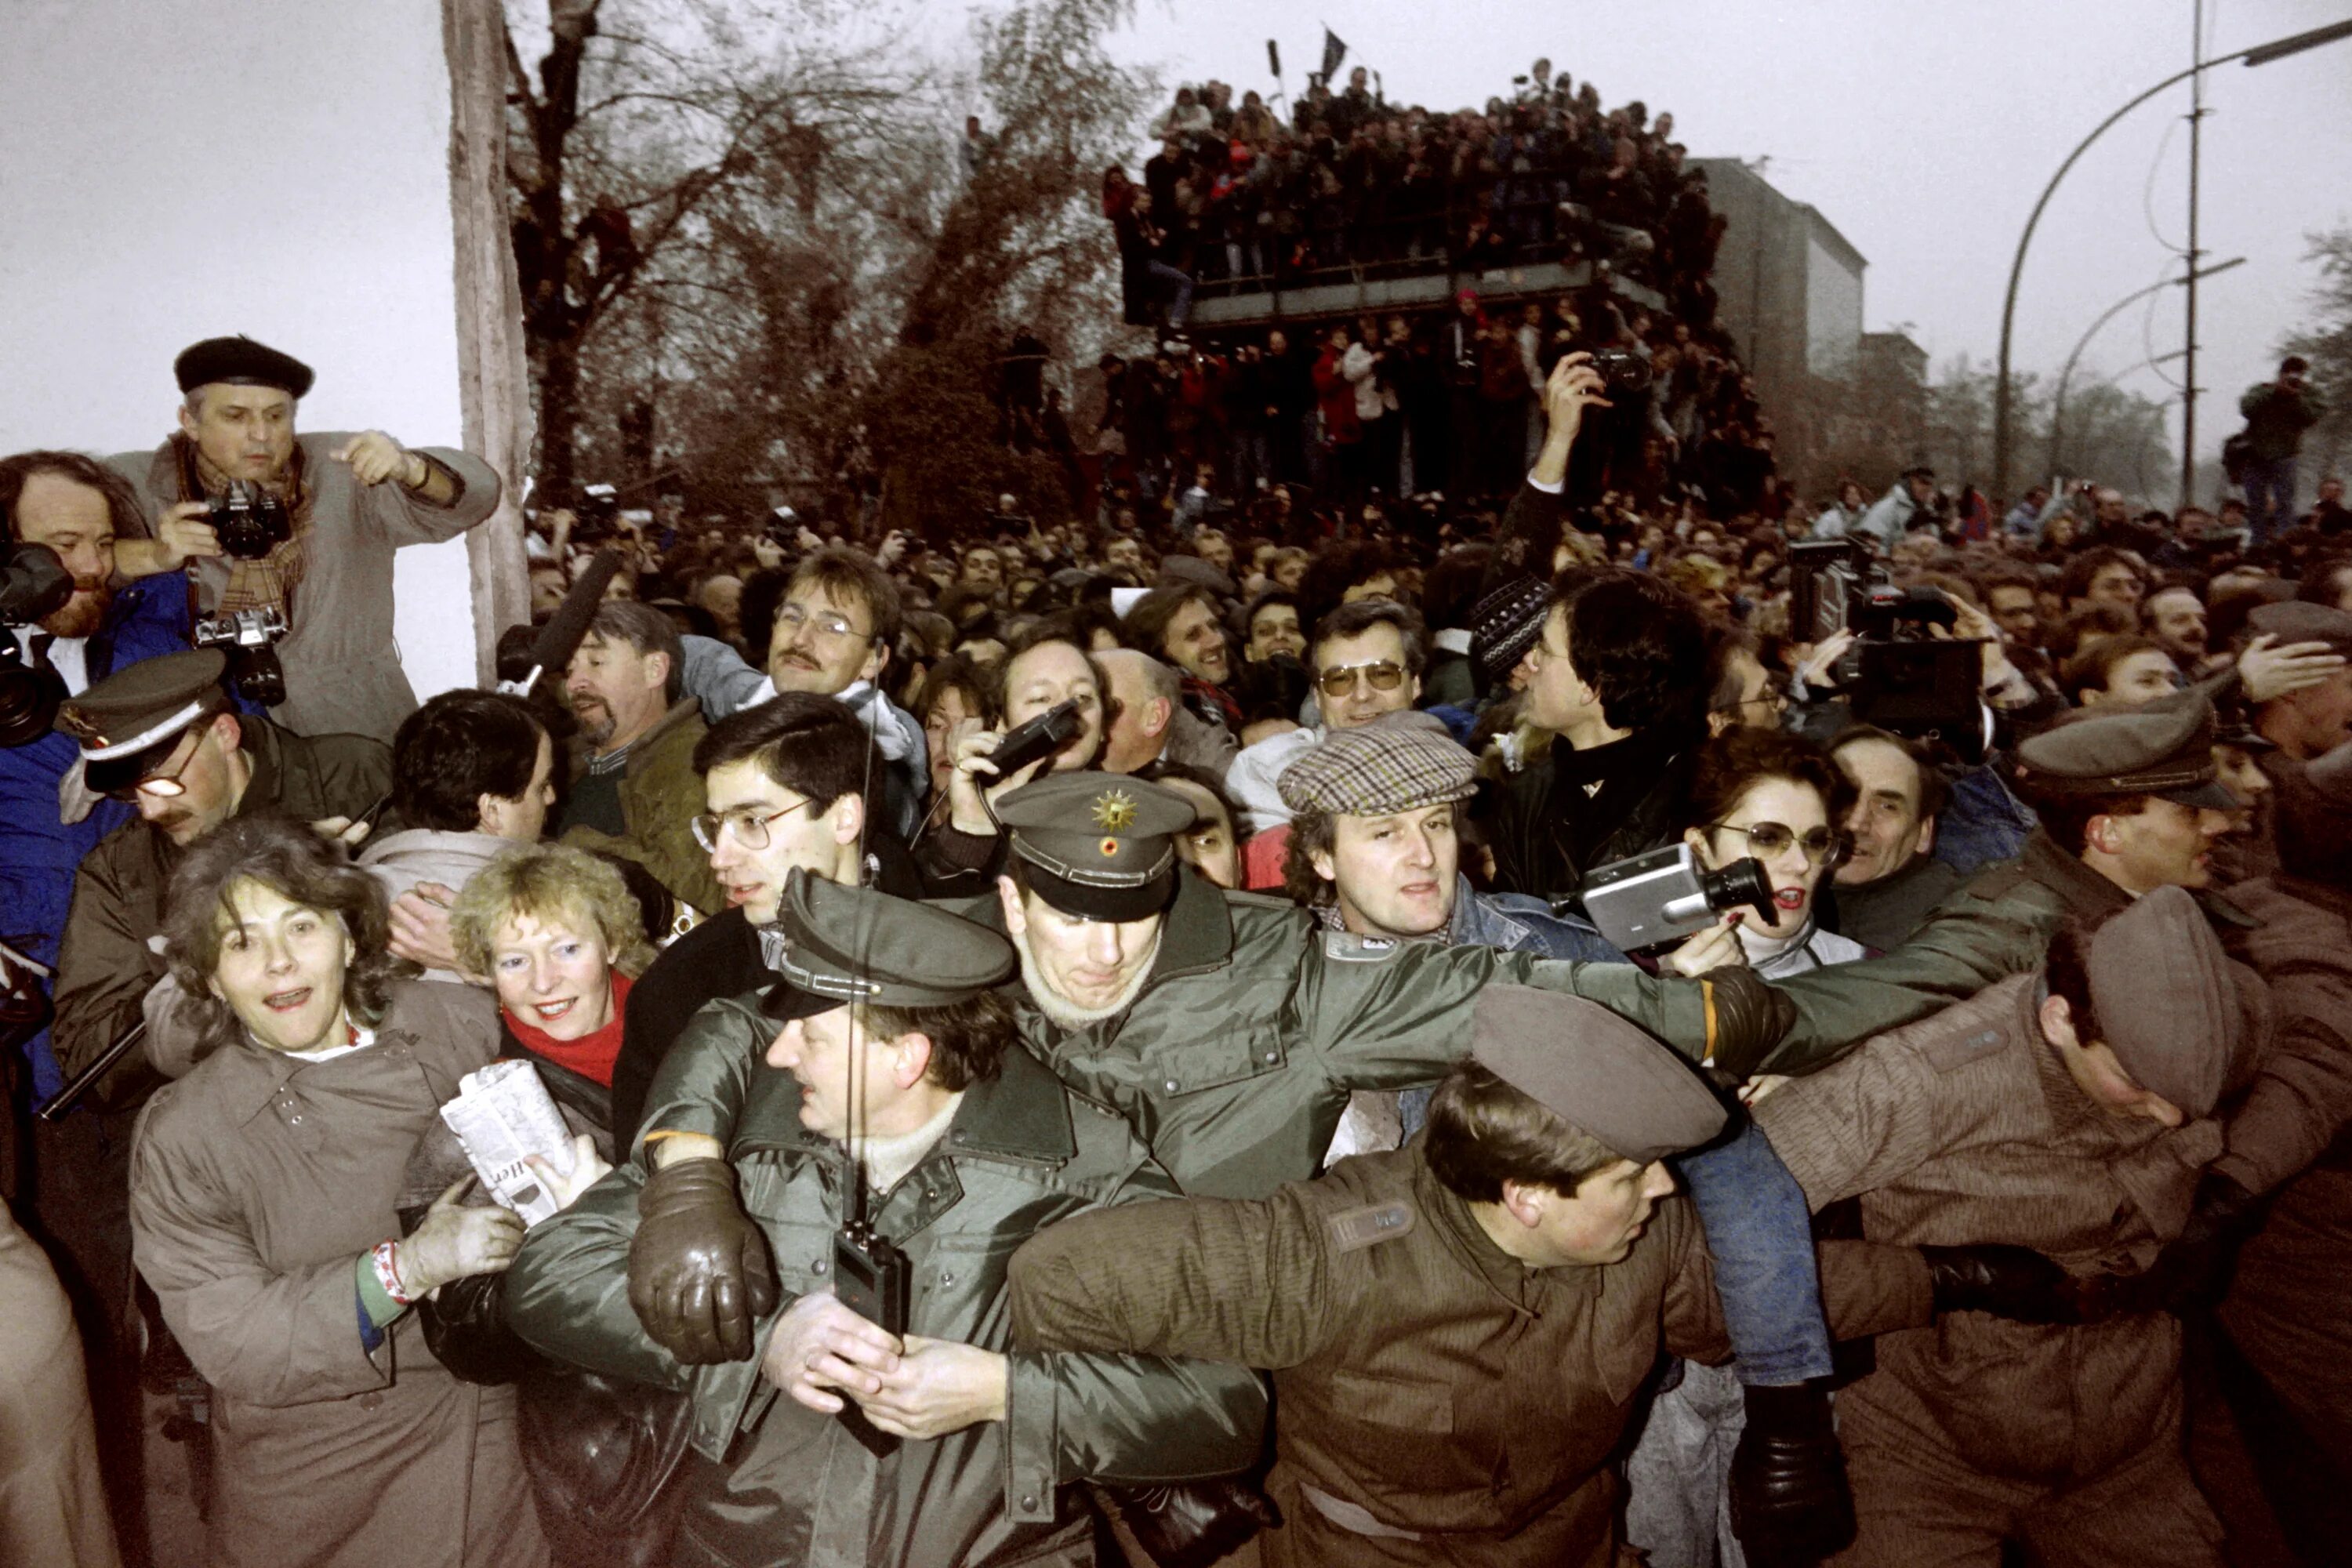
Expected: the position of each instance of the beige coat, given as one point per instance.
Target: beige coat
(52, 1509)
(257, 1183)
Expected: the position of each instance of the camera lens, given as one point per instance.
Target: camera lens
(1741, 882)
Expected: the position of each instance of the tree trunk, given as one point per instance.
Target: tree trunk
(559, 417)
(494, 385)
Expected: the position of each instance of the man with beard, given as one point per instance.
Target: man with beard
(349, 499)
(633, 767)
(74, 506)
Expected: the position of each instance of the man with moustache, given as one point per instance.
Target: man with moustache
(351, 500)
(74, 506)
(633, 773)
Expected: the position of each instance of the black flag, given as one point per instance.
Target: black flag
(1334, 51)
(1274, 59)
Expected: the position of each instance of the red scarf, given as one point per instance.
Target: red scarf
(589, 1055)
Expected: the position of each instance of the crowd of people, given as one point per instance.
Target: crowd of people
(1347, 179)
(880, 916)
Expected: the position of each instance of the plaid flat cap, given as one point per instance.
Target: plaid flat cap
(1398, 762)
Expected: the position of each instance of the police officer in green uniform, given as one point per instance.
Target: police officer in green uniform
(883, 1056)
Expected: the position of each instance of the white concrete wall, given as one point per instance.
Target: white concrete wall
(174, 169)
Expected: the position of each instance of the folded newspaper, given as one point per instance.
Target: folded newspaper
(502, 1115)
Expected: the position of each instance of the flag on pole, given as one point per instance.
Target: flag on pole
(1334, 51)
(1274, 59)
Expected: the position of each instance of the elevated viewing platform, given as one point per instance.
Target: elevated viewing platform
(1339, 293)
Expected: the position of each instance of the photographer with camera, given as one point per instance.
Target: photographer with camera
(66, 625)
(290, 539)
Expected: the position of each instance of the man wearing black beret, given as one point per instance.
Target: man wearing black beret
(348, 500)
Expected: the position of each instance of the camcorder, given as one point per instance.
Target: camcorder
(1664, 894)
(249, 522)
(33, 584)
(1898, 675)
(250, 639)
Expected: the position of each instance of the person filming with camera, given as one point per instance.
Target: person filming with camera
(289, 538)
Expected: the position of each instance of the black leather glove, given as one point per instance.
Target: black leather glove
(1193, 1524)
(1750, 1017)
(1791, 1505)
(699, 1278)
(2014, 1282)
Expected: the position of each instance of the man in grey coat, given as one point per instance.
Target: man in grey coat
(329, 509)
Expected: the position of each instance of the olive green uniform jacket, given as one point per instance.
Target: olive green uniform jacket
(105, 968)
(797, 1487)
(1235, 1060)
(1440, 1401)
(660, 793)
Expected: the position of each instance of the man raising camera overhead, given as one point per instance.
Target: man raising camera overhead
(265, 519)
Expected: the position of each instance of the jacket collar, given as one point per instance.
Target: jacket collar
(1022, 1114)
(1198, 933)
(2087, 894)
(1478, 923)
(1512, 1282)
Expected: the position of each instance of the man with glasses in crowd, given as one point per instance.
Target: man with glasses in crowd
(1366, 660)
(786, 786)
(833, 636)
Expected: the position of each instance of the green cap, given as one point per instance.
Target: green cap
(834, 944)
(128, 723)
(1099, 846)
(2163, 748)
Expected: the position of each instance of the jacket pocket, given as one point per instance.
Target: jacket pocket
(1426, 1407)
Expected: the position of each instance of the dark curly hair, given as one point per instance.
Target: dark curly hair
(287, 858)
(1639, 644)
(1735, 761)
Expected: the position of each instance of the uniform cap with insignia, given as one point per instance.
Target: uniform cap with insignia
(1398, 762)
(1594, 1071)
(1099, 846)
(2298, 621)
(128, 723)
(834, 944)
(240, 362)
(2177, 1013)
(2163, 748)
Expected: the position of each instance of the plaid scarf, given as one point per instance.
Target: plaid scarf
(271, 580)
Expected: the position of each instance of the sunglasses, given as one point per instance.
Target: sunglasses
(161, 786)
(1820, 844)
(1340, 680)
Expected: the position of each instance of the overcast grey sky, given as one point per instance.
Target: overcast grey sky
(1924, 132)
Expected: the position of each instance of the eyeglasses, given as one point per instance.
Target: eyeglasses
(1774, 695)
(791, 617)
(163, 786)
(749, 825)
(1341, 679)
(1820, 845)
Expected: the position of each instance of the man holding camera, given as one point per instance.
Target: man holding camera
(299, 531)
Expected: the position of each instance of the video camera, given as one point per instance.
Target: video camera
(250, 637)
(1898, 675)
(33, 584)
(1667, 893)
(248, 521)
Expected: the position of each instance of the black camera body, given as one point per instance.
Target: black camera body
(33, 584)
(249, 522)
(1657, 897)
(250, 639)
(874, 1278)
(1621, 371)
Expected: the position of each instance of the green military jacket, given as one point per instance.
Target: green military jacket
(1021, 1154)
(105, 967)
(1236, 1059)
(660, 793)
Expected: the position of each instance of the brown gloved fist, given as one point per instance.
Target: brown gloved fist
(1194, 1524)
(1747, 1016)
(699, 1278)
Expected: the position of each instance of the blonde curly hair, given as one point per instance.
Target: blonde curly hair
(549, 882)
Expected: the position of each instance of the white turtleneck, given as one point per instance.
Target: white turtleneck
(887, 1159)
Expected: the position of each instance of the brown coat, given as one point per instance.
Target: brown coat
(52, 1509)
(660, 793)
(1967, 1128)
(1448, 1405)
(257, 1183)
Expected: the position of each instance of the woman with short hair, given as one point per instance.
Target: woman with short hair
(266, 1190)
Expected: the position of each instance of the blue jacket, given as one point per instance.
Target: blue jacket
(37, 852)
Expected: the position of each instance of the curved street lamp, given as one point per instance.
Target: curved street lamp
(2259, 55)
(2058, 400)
